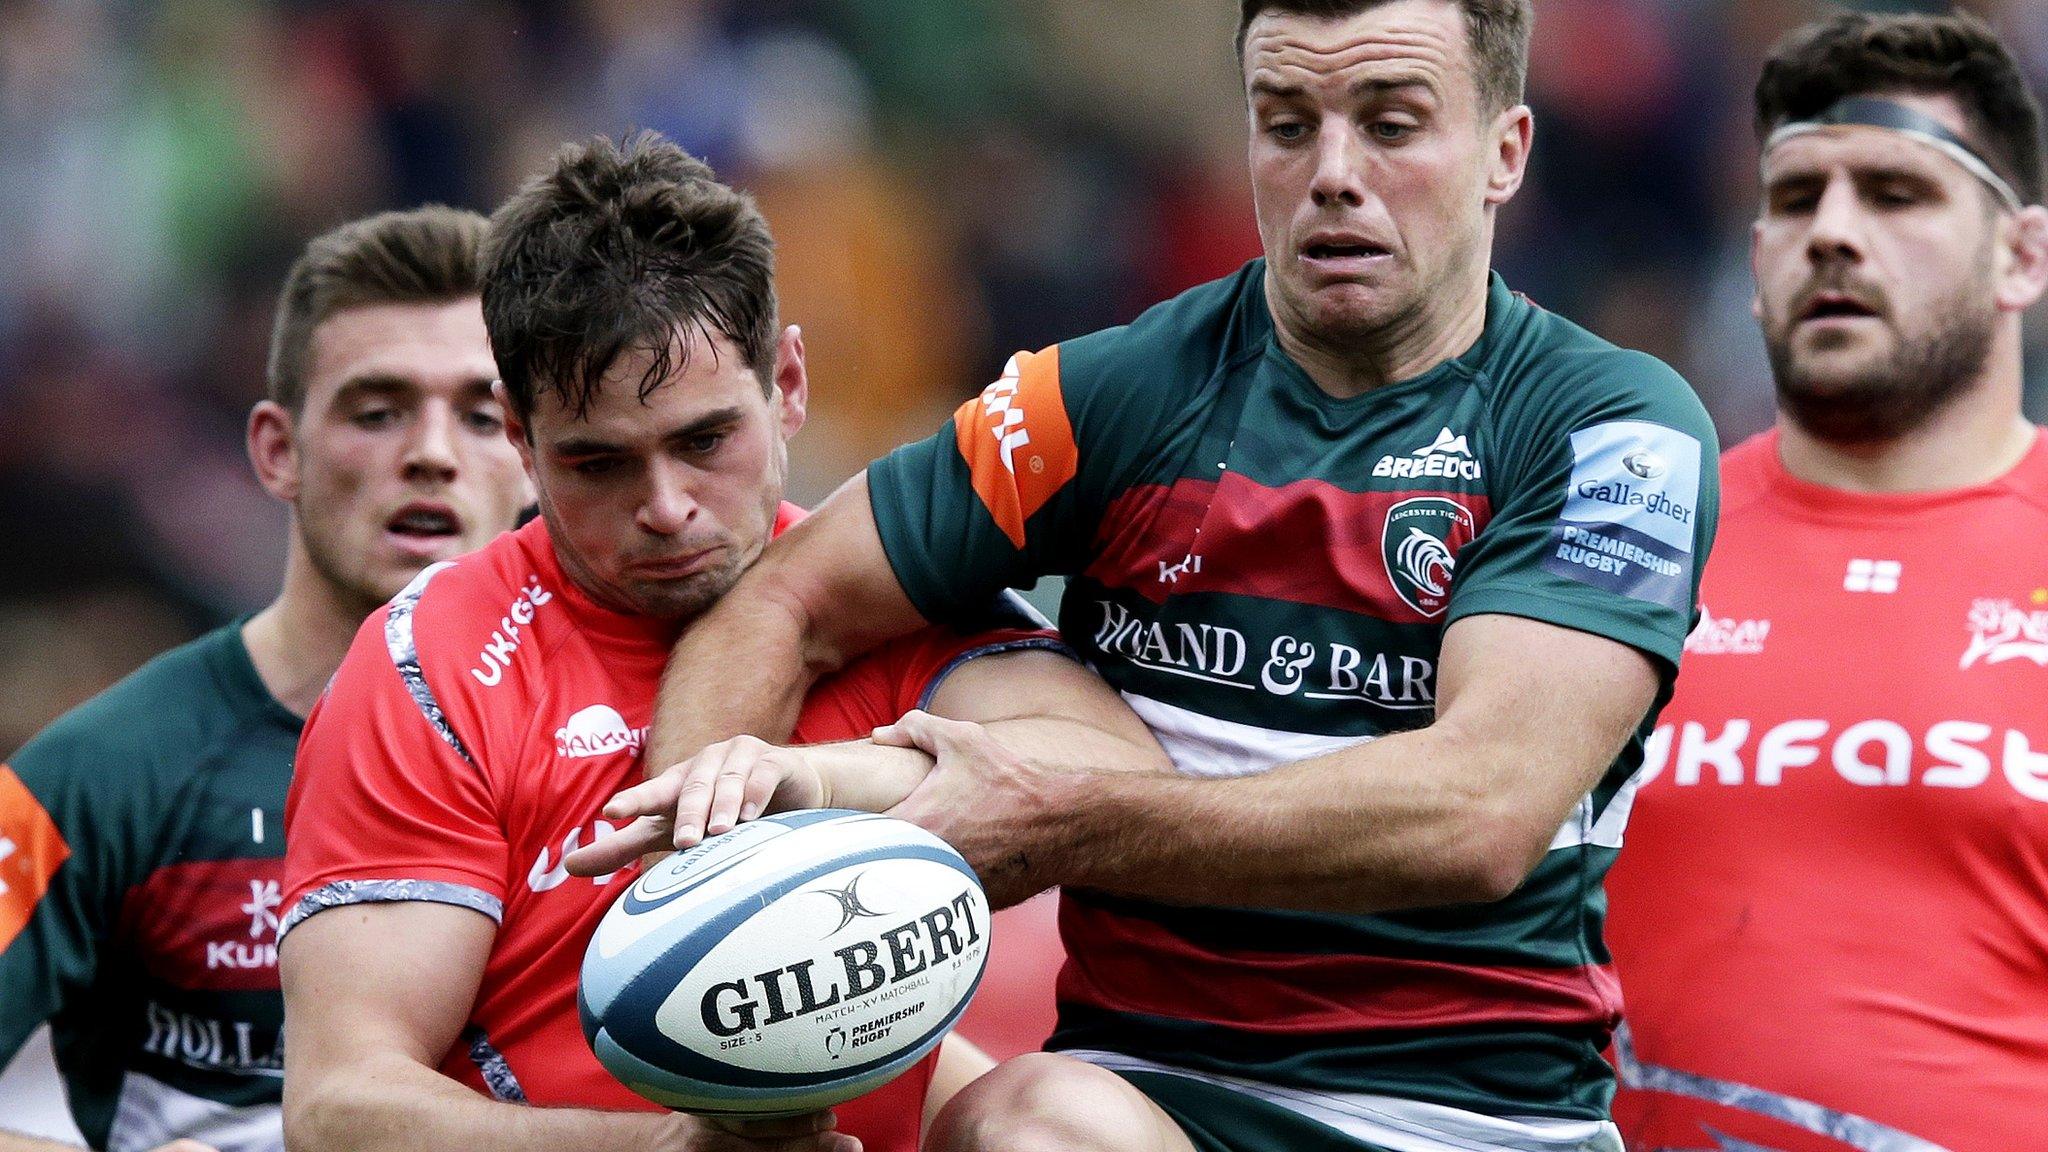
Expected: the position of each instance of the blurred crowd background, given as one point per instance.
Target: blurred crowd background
(949, 181)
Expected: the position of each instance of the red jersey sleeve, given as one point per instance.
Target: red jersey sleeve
(902, 676)
(386, 802)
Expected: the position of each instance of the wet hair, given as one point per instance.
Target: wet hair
(618, 248)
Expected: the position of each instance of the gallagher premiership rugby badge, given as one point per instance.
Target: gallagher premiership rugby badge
(1629, 512)
(1420, 547)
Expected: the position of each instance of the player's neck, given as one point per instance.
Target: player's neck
(299, 640)
(1974, 440)
(1403, 351)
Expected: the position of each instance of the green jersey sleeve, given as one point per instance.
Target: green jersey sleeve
(1605, 491)
(68, 851)
(1018, 486)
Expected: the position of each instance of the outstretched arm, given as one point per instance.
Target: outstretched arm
(1037, 703)
(1530, 716)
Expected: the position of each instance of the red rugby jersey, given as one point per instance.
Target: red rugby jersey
(1831, 915)
(469, 742)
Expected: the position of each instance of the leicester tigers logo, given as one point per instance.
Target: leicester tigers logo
(1420, 544)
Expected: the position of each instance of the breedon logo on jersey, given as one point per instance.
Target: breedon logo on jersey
(1419, 544)
(1017, 441)
(1449, 457)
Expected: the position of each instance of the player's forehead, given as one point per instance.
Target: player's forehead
(1409, 42)
(706, 377)
(431, 347)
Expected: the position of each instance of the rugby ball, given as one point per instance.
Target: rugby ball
(794, 963)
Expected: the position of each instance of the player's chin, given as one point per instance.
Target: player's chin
(684, 599)
(1344, 313)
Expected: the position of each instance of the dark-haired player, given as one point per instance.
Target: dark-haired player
(142, 834)
(1395, 564)
(1832, 918)
(479, 724)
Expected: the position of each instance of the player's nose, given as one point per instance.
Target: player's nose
(1838, 223)
(430, 451)
(1340, 161)
(670, 501)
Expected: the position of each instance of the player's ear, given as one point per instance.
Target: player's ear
(792, 387)
(2023, 274)
(1513, 133)
(274, 449)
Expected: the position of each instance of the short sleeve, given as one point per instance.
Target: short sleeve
(60, 884)
(902, 676)
(990, 501)
(1020, 484)
(1604, 508)
(386, 803)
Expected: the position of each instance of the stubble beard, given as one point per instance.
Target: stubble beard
(1896, 396)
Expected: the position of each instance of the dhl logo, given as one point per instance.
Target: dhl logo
(1017, 441)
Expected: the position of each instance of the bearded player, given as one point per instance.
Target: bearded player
(1831, 921)
(1398, 567)
(142, 835)
(477, 727)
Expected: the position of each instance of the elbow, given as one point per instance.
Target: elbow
(315, 1114)
(1489, 858)
(787, 600)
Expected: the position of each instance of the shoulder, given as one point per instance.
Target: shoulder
(467, 619)
(459, 646)
(1546, 362)
(147, 733)
(1551, 383)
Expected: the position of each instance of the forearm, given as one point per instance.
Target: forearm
(870, 777)
(707, 695)
(1411, 820)
(865, 776)
(389, 1102)
(1072, 745)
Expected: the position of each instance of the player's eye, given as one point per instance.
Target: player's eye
(1794, 201)
(595, 466)
(1390, 131)
(487, 421)
(373, 418)
(1288, 131)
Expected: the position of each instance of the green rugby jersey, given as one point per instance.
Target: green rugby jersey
(1265, 572)
(141, 852)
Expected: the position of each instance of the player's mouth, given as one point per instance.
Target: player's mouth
(424, 528)
(1341, 253)
(1835, 306)
(678, 567)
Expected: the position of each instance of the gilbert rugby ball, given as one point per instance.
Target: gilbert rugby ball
(794, 963)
